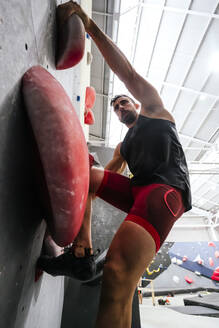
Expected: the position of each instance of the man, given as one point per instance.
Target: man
(154, 198)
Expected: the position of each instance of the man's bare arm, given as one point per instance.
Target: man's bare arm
(143, 91)
(117, 164)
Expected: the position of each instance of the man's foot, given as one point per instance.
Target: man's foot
(80, 250)
(67, 264)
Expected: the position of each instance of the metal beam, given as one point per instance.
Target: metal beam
(175, 47)
(136, 31)
(200, 211)
(114, 16)
(186, 226)
(213, 234)
(188, 69)
(103, 95)
(193, 105)
(202, 163)
(194, 148)
(198, 93)
(206, 143)
(173, 9)
(128, 10)
(112, 75)
(154, 45)
(206, 200)
(182, 11)
(203, 172)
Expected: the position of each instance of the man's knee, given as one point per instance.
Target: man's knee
(117, 284)
(116, 271)
(113, 271)
(113, 277)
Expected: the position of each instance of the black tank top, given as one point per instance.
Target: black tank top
(154, 155)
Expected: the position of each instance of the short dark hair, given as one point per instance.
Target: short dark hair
(118, 96)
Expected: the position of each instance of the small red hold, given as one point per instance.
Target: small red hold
(216, 254)
(90, 97)
(215, 278)
(189, 280)
(89, 117)
(211, 243)
(215, 275)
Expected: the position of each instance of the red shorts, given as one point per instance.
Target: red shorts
(155, 207)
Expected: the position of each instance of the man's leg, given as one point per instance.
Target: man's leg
(84, 239)
(131, 251)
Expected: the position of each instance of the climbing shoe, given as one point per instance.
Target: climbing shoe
(67, 264)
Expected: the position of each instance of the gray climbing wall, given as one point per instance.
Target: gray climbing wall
(27, 38)
(105, 218)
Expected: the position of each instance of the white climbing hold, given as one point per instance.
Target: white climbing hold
(176, 279)
(179, 262)
(173, 260)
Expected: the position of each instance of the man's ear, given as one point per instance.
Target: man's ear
(137, 106)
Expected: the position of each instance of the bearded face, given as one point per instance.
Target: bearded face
(125, 110)
(128, 117)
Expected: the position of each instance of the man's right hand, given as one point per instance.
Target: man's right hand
(76, 9)
(69, 8)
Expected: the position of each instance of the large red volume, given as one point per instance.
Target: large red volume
(63, 152)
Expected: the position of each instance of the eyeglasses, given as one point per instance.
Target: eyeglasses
(122, 103)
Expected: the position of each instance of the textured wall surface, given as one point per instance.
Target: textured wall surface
(27, 38)
(106, 219)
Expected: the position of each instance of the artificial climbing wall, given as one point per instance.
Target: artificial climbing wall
(184, 266)
(27, 38)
